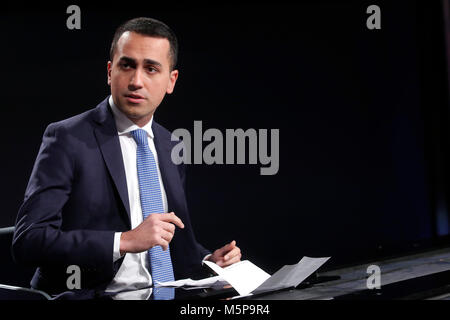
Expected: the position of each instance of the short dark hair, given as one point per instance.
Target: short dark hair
(149, 27)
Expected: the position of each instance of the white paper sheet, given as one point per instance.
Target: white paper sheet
(198, 284)
(244, 276)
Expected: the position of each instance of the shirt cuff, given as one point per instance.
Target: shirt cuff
(116, 253)
(206, 257)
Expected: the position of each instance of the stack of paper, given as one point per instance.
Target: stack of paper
(211, 282)
(246, 278)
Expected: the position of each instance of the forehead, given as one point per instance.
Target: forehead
(140, 47)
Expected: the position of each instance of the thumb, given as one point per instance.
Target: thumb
(223, 250)
(228, 247)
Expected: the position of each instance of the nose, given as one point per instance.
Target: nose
(136, 81)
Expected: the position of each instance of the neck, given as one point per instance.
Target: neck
(141, 121)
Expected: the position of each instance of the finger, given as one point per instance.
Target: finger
(232, 260)
(167, 226)
(231, 257)
(163, 243)
(166, 235)
(222, 263)
(229, 246)
(172, 218)
(235, 251)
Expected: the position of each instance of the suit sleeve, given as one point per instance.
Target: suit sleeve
(38, 238)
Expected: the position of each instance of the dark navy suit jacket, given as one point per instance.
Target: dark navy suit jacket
(77, 199)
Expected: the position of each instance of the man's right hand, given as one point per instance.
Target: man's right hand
(156, 230)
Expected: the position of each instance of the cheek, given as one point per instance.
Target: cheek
(157, 88)
(118, 82)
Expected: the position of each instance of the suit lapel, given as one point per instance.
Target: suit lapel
(169, 172)
(108, 141)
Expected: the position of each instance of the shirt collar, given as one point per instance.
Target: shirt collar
(125, 125)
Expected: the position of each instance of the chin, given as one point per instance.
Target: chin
(136, 116)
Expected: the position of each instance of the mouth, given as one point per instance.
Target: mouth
(134, 98)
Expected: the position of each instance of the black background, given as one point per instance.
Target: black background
(362, 116)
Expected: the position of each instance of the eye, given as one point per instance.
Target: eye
(152, 69)
(125, 65)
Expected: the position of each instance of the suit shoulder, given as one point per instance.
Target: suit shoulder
(76, 122)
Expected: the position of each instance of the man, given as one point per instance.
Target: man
(104, 194)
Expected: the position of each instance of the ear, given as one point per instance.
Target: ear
(172, 80)
(109, 66)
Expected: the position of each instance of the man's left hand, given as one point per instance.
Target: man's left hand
(227, 255)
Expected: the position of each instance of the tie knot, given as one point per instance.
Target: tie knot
(140, 136)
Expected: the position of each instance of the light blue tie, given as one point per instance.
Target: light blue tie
(151, 202)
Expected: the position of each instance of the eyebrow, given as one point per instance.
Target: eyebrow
(146, 61)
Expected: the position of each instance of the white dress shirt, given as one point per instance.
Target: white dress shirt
(133, 273)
